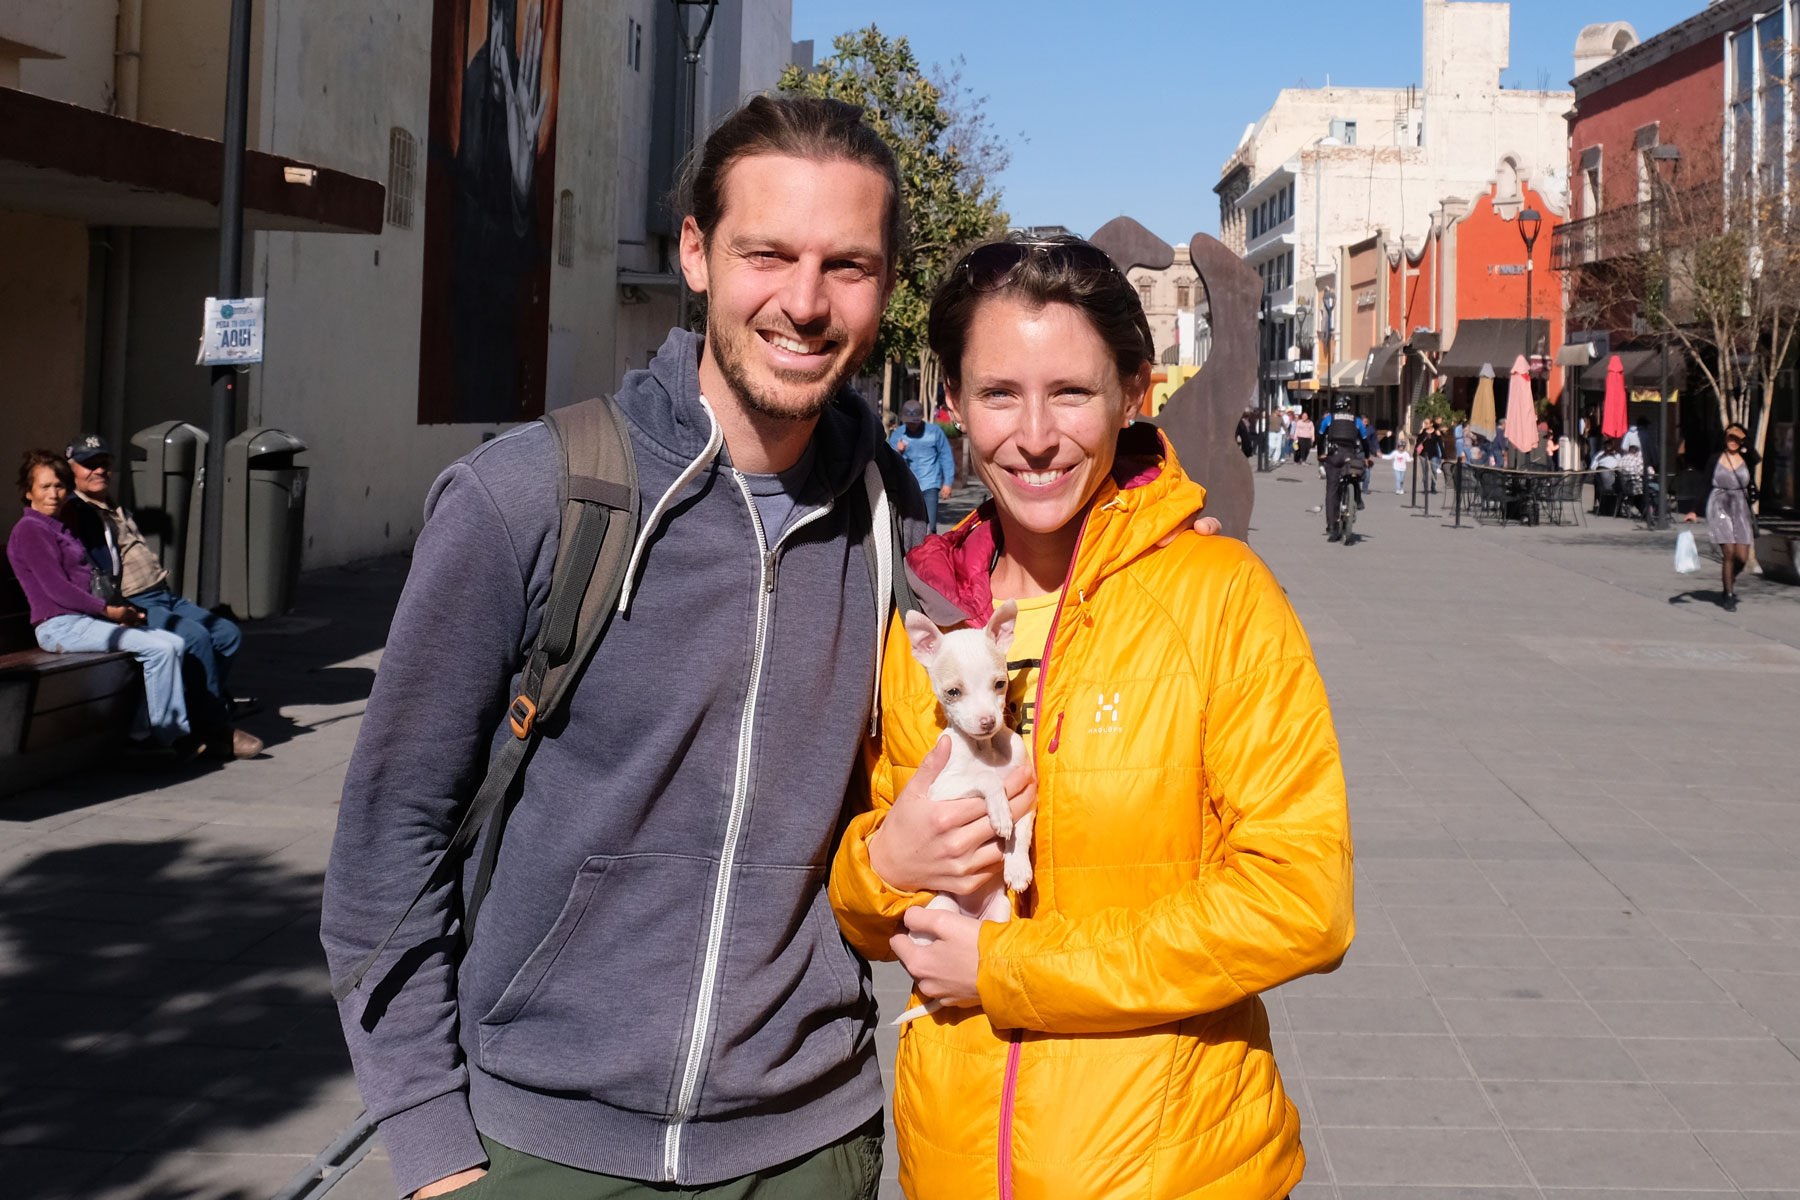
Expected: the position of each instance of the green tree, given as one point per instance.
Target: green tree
(941, 141)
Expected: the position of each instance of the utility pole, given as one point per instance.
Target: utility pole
(691, 46)
(223, 423)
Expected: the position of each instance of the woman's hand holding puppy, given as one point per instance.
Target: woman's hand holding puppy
(927, 845)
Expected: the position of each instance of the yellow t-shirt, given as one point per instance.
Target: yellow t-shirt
(1025, 658)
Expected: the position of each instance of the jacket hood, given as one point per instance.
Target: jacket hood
(1145, 498)
(663, 402)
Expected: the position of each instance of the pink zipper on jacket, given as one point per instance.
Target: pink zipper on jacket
(1010, 1087)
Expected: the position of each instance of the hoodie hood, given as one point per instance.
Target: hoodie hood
(1145, 498)
(663, 401)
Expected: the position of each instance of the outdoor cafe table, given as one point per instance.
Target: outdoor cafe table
(1528, 489)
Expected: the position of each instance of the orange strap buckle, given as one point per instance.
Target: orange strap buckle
(522, 713)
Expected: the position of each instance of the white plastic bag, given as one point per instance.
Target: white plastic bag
(1687, 555)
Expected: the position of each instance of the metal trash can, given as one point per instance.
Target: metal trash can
(265, 519)
(168, 464)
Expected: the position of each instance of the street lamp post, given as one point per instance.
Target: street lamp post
(1670, 154)
(1330, 303)
(691, 45)
(1530, 221)
(1263, 322)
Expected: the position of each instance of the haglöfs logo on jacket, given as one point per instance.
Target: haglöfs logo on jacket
(1106, 715)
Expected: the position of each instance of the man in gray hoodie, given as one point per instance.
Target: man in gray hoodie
(656, 994)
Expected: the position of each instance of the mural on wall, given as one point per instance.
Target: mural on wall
(490, 191)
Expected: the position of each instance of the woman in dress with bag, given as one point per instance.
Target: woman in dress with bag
(1729, 510)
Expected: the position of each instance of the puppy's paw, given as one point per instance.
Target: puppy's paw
(1000, 816)
(1017, 872)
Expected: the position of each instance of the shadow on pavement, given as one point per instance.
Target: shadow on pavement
(153, 1006)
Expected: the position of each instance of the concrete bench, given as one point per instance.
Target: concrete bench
(58, 712)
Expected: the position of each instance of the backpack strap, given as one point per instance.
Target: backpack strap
(599, 498)
(884, 549)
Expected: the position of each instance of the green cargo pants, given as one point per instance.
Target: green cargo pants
(848, 1169)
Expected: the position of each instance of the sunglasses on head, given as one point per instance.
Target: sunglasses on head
(989, 266)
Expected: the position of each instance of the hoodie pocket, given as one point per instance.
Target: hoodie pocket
(600, 1006)
(795, 1010)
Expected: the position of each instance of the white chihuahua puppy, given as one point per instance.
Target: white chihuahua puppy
(968, 672)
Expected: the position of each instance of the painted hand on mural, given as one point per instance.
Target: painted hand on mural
(521, 82)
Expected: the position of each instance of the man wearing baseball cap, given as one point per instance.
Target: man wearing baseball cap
(927, 452)
(136, 576)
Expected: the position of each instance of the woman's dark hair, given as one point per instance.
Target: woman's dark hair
(1040, 271)
(34, 459)
(798, 127)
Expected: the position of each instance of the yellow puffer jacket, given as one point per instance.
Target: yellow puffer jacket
(1192, 850)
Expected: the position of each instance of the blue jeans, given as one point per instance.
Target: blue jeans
(931, 503)
(211, 641)
(159, 652)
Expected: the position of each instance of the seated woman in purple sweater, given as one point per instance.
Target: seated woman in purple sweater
(54, 571)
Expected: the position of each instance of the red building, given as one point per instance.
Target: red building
(1431, 316)
(1650, 135)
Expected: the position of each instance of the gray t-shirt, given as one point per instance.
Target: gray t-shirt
(778, 495)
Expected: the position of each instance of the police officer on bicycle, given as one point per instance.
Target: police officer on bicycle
(1345, 438)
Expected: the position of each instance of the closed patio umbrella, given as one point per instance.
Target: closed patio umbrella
(1481, 410)
(1521, 415)
(1613, 422)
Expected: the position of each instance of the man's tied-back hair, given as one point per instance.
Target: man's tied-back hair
(797, 127)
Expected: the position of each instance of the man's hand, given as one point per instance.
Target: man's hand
(945, 969)
(901, 446)
(125, 614)
(944, 492)
(948, 846)
(1201, 524)
(450, 1183)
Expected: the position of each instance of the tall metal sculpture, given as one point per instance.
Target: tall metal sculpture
(1201, 418)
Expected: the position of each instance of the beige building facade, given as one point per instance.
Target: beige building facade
(1327, 168)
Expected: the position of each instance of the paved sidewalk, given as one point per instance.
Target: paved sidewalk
(1577, 817)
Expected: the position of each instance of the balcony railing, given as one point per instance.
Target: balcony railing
(1653, 224)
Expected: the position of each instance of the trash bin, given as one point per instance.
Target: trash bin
(168, 462)
(265, 517)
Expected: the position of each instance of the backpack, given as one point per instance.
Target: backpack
(600, 513)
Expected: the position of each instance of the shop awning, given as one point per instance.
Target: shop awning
(1384, 366)
(1643, 369)
(1425, 341)
(1348, 377)
(69, 161)
(1495, 341)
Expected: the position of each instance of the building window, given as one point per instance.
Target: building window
(634, 44)
(1144, 294)
(1741, 129)
(1772, 153)
(1349, 133)
(403, 150)
(1184, 296)
(565, 229)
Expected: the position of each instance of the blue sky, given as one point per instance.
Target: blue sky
(1124, 107)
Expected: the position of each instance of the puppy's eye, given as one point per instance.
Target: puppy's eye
(999, 685)
(953, 693)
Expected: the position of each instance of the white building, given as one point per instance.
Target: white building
(1327, 167)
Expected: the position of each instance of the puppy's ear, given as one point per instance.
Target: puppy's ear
(925, 636)
(1000, 625)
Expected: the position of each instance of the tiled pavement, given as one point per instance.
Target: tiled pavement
(1576, 803)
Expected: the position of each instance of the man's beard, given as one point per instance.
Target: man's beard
(810, 405)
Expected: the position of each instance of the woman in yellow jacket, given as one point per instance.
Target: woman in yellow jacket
(1192, 844)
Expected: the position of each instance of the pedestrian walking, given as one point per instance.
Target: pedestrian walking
(1400, 457)
(1108, 1040)
(1730, 509)
(53, 571)
(926, 452)
(1303, 437)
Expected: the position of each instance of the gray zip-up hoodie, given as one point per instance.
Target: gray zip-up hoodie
(656, 987)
